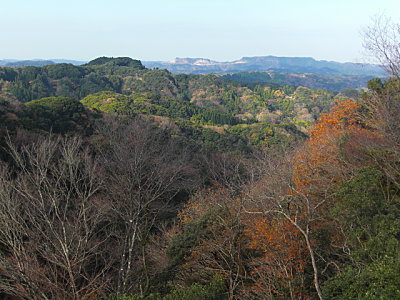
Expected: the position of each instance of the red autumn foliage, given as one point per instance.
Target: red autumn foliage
(282, 256)
(337, 141)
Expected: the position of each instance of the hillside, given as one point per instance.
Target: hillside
(205, 98)
(217, 113)
(314, 81)
(124, 183)
(298, 71)
(221, 114)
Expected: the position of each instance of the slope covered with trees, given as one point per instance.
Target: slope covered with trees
(119, 182)
(311, 80)
(204, 104)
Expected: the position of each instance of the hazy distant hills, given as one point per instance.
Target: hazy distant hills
(297, 71)
(297, 65)
(23, 63)
(37, 62)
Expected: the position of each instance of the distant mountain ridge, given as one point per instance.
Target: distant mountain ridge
(267, 63)
(37, 62)
(34, 63)
(295, 65)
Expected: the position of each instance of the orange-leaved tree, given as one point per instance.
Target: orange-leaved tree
(339, 143)
(298, 187)
(328, 157)
(280, 258)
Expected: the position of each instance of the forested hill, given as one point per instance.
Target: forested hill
(297, 71)
(222, 114)
(296, 65)
(314, 81)
(123, 85)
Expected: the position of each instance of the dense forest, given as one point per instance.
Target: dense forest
(204, 106)
(124, 183)
(334, 83)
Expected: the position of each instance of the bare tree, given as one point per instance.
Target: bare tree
(229, 171)
(220, 249)
(146, 171)
(51, 222)
(276, 194)
(382, 41)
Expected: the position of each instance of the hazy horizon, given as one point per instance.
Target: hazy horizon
(11, 59)
(161, 31)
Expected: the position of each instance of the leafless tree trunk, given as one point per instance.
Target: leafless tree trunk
(220, 249)
(382, 41)
(145, 172)
(51, 216)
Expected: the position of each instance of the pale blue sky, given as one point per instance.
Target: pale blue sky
(165, 29)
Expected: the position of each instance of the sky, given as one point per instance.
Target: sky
(164, 29)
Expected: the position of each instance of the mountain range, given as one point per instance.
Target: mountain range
(37, 62)
(298, 65)
(297, 71)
